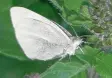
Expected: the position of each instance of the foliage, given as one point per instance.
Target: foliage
(91, 19)
(65, 69)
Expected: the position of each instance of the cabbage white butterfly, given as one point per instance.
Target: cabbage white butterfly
(41, 38)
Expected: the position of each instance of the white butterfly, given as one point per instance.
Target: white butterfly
(41, 38)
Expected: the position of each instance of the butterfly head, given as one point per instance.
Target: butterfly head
(73, 46)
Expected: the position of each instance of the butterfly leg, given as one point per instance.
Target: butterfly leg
(63, 55)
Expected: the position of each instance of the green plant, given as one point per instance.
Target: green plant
(90, 19)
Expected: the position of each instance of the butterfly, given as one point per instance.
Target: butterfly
(41, 38)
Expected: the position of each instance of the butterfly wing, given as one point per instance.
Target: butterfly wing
(39, 37)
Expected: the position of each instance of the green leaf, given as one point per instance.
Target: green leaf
(85, 11)
(99, 60)
(81, 75)
(56, 4)
(5, 5)
(89, 55)
(90, 51)
(64, 70)
(13, 68)
(25, 3)
(104, 65)
(73, 4)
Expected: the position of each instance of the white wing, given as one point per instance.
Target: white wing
(39, 37)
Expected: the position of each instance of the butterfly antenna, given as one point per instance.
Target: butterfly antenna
(73, 31)
(89, 30)
(70, 26)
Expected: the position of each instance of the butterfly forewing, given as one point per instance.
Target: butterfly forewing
(39, 39)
